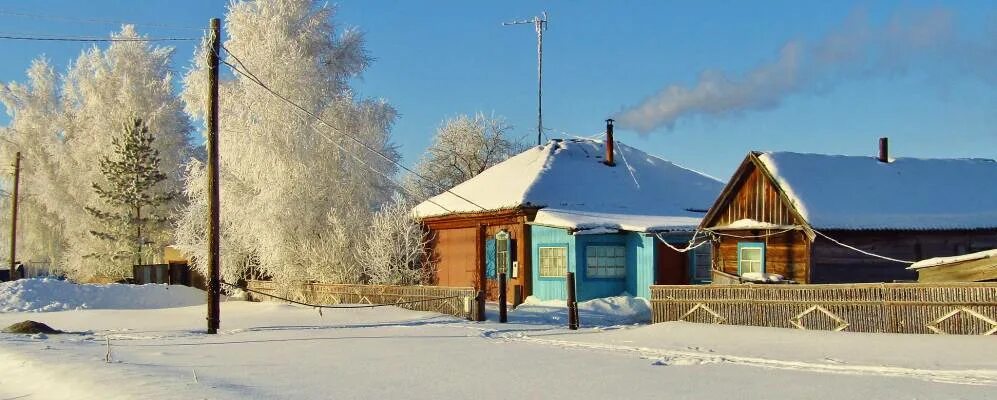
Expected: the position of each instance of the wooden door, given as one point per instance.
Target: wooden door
(672, 267)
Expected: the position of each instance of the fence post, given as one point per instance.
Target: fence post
(479, 306)
(517, 296)
(572, 304)
(503, 311)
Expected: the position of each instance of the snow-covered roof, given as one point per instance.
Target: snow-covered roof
(934, 262)
(574, 189)
(856, 192)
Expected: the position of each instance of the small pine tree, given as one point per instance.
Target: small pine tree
(132, 179)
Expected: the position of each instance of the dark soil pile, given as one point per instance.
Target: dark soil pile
(30, 327)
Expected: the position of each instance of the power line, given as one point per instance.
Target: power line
(90, 38)
(93, 21)
(252, 77)
(860, 250)
(249, 75)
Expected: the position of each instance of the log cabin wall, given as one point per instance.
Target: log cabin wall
(786, 254)
(836, 264)
(752, 195)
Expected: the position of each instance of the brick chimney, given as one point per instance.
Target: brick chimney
(609, 143)
(884, 150)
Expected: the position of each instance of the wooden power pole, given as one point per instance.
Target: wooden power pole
(13, 216)
(214, 276)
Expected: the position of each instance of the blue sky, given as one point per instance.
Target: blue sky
(441, 58)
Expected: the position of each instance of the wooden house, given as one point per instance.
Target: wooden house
(815, 218)
(974, 267)
(592, 207)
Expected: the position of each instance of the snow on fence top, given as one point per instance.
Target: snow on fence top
(858, 192)
(567, 179)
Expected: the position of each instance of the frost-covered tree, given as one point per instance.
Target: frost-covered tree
(463, 147)
(394, 250)
(133, 198)
(296, 194)
(63, 127)
(35, 131)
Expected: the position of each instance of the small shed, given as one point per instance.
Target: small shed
(974, 267)
(818, 218)
(174, 270)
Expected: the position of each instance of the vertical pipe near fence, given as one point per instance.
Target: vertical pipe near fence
(503, 310)
(572, 304)
(517, 296)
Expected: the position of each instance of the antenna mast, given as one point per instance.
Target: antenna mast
(540, 24)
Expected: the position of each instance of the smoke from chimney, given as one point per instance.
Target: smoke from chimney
(925, 39)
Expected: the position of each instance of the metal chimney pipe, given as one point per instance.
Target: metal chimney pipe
(609, 143)
(884, 150)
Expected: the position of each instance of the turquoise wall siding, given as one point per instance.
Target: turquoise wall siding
(542, 236)
(591, 288)
(645, 254)
(639, 273)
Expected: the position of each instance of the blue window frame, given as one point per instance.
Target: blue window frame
(750, 257)
(606, 261)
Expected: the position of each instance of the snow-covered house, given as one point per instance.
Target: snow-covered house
(813, 218)
(588, 206)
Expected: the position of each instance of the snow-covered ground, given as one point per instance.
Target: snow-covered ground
(49, 294)
(268, 350)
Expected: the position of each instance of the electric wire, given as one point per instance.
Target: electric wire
(398, 185)
(860, 250)
(320, 306)
(15, 36)
(93, 21)
(248, 73)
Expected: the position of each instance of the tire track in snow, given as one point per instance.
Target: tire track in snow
(666, 357)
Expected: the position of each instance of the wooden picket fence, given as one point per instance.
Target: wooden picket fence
(456, 301)
(953, 308)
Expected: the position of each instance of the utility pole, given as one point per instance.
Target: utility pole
(13, 216)
(540, 25)
(214, 276)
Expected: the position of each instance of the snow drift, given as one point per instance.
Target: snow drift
(47, 294)
(607, 311)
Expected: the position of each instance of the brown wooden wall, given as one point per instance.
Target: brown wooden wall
(786, 254)
(754, 197)
(836, 264)
(518, 233)
(457, 243)
(453, 251)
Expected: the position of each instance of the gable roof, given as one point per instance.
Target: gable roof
(568, 182)
(860, 192)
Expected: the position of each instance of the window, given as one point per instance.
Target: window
(502, 251)
(553, 262)
(605, 261)
(702, 263)
(750, 257)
